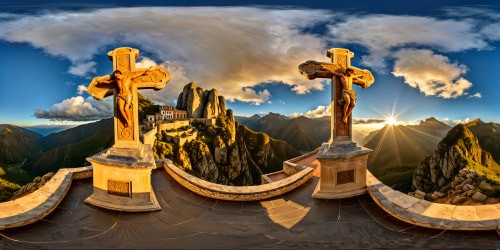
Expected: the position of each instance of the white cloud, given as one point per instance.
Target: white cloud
(318, 112)
(452, 123)
(380, 34)
(78, 109)
(476, 95)
(230, 48)
(82, 69)
(432, 74)
(81, 89)
(251, 96)
(145, 62)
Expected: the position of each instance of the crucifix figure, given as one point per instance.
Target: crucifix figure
(122, 174)
(342, 163)
(123, 83)
(344, 98)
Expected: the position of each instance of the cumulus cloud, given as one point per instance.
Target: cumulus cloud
(230, 48)
(380, 34)
(432, 74)
(452, 123)
(254, 97)
(82, 69)
(318, 112)
(78, 109)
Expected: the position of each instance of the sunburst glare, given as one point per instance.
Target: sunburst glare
(391, 121)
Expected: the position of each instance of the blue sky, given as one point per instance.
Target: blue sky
(436, 58)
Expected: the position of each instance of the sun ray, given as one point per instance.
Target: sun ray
(424, 133)
(411, 142)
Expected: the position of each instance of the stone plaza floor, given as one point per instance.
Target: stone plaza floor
(187, 220)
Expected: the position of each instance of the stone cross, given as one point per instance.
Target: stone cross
(341, 62)
(124, 87)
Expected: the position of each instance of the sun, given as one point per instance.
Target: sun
(390, 121)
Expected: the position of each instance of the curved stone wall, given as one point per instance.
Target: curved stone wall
(34, 206)
(236, 193)
(289, 166)
(432, 215)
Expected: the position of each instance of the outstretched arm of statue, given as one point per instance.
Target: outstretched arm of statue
(145, 72)
(102, 79)
(360, 81)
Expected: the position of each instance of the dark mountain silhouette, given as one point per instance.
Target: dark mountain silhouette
(17, 144)
(70, 147)
(302, 133)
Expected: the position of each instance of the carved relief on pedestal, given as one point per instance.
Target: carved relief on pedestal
(344, 177)
(120, 188)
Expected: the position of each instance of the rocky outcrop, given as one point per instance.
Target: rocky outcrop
(468, 187)
(202, 162)
(226, 153)
(31, 187)
(199, 103)
(231, 154)
(211, 104)
(222, 104)
(191, 100)
(459, 149)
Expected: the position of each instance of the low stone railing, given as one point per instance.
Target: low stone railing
(290, 168)
(235, 193)
(432, 215)
(35, 206)
(150, 136)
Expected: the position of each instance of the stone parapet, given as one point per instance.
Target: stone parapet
(235, 193)
(150, 136)
(433, 215)
(291, 168)
(35, 206)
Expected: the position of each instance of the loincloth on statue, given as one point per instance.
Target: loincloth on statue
(126, 98)
(349, 92)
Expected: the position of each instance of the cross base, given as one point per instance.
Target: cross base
(343, 170)
(122, 181)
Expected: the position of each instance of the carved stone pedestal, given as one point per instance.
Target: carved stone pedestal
(122, 181)
(343, 170)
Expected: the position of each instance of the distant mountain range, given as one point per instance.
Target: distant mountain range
(69, 148)
(45, 130)
(25, 154)
(304, 134)
(401, 145)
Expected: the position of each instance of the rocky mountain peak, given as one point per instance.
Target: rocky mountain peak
(199, 103)
(432, 122)
(459, 149)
